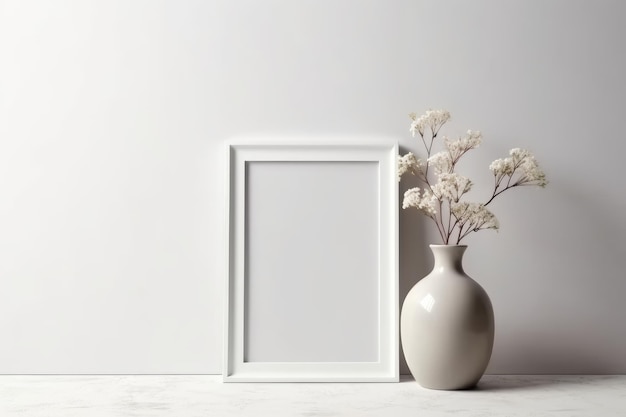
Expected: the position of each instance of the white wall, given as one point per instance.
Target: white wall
(113, 116)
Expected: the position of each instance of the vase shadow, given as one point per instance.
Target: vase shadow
(523, 382)
(503, 383)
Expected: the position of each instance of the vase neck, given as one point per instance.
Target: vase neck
(448, 257)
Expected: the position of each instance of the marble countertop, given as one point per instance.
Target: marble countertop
(206, 395)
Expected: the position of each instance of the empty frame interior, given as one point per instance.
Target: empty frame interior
(311, 277)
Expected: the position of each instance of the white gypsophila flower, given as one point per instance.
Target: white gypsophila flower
(429, 204)
(519, 154)
(475, 137)
(412, 198)
(460, 146)
(437, 117)
(441, 162)
(425, 203)
(451, 186)
(409, 163)
(474, 216)
(432, 119)
(415, 127)
(525, 162)
(502, 166)
(532, 173)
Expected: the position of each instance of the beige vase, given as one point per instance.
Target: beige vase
(447, 325)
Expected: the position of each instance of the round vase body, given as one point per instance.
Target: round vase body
(447, 325)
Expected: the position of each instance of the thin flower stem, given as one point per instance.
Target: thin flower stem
(467, 232)
(440, 226)
(427, 157)
(455, 160)
(424, 141)
(508, 187)
(441, 233)
(449, 221)
(458, 239)
(451, 230)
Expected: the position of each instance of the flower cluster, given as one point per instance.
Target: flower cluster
(459, 147)
(433, 119)
(451, 187)
(441, 199)
(520, 164)
(425, 202)
(473, 217)
(442, 162)
(409, 163)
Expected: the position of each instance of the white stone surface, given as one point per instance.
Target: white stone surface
(191, 396)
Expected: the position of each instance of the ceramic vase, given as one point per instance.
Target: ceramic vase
(447, 325)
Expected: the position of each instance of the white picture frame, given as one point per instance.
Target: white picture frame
(312, 289)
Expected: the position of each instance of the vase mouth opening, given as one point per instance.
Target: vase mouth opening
(447, 246)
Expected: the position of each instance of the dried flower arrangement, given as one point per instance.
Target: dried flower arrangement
(440, 197)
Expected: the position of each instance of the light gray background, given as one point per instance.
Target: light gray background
(113, 116)
(312, 272)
